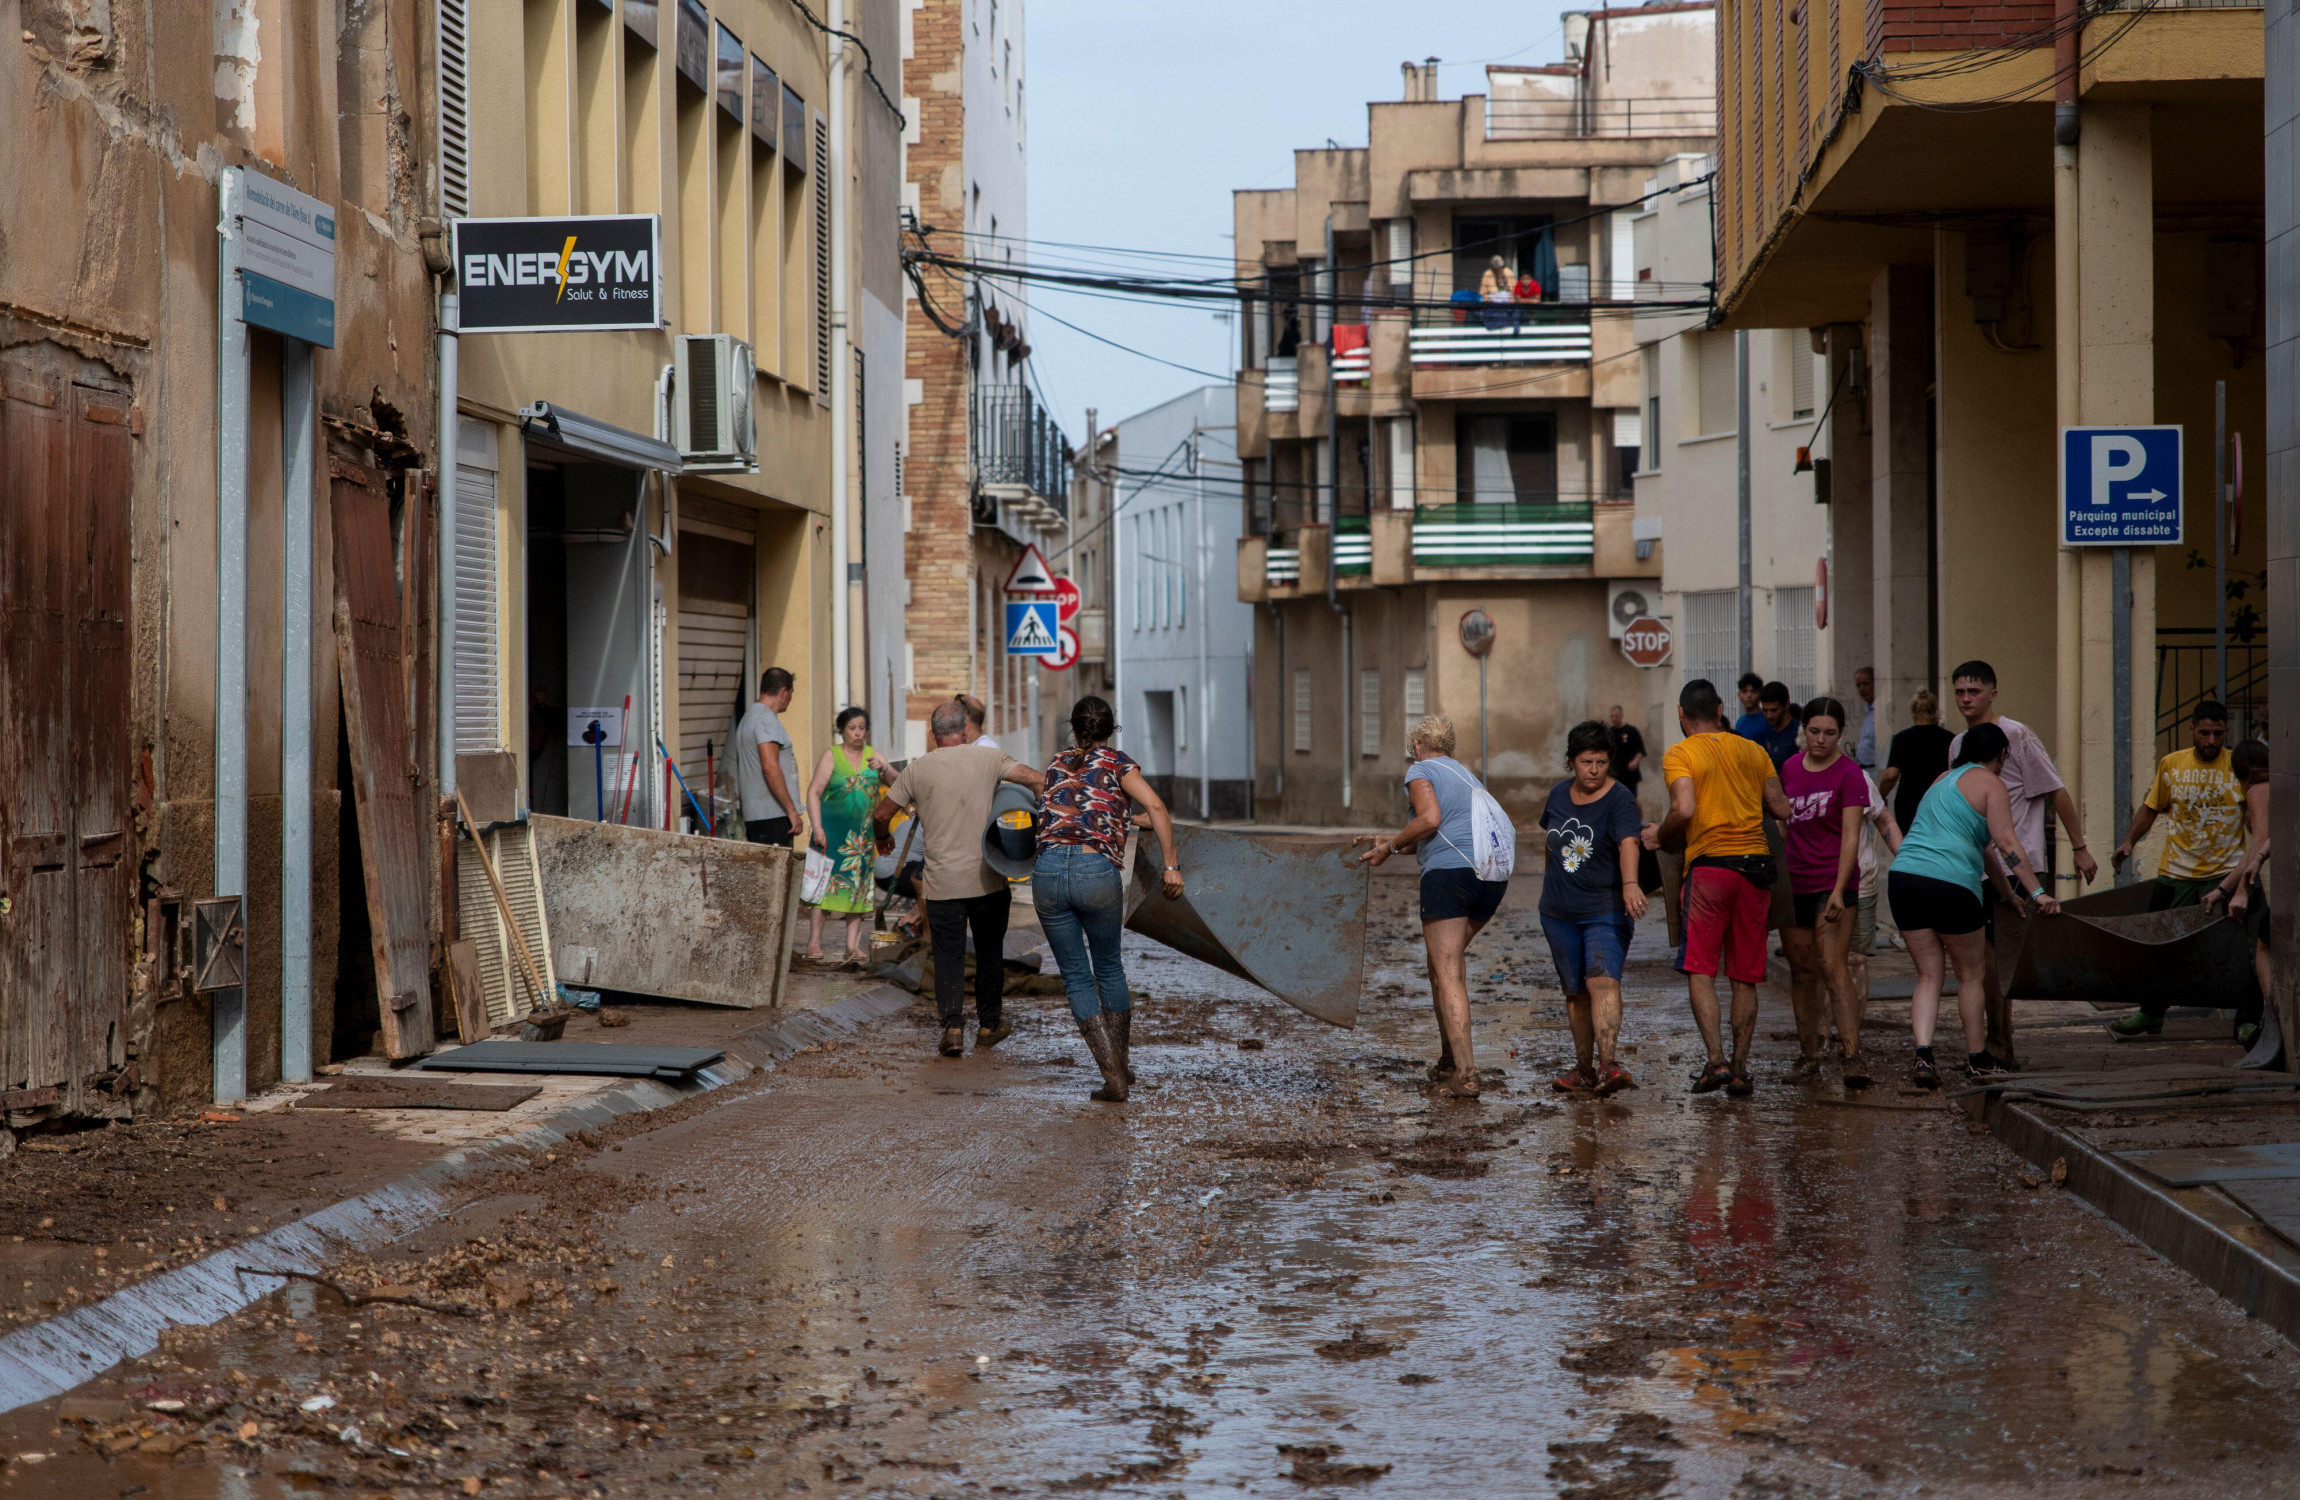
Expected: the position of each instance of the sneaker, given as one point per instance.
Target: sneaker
(1804, 1069)
(991, 1036)
(1613, 1080)
(953, 1041)
(1855, 1072)
(1983, 1065)
(2139, 1023)
(1579, 1079)
(1925, 1075)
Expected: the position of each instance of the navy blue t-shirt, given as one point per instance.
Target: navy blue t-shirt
(1582, 881)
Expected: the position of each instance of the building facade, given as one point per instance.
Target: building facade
(1414, 455)
(1980, 216)
(986, 469)
(1185, 638)
(1688, 478)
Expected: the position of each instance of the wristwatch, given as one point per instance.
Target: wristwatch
(1173, 869)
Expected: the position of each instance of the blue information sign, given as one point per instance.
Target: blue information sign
(2120, 486)
(1030, 628)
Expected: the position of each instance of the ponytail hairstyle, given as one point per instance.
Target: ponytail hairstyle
(1091, 721)
(1829, 706)
(1983, 743)
(2249, 760)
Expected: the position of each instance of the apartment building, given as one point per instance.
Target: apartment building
(986, 468)
(1688, 476)
(1415, 456)
(179, 485)
(2002, 223)
(600, 560)
(1185, 638)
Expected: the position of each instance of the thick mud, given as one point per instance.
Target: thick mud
(1280, 1270)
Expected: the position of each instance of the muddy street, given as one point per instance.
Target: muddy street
(1280, 1270)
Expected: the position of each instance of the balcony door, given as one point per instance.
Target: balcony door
(1509, 459)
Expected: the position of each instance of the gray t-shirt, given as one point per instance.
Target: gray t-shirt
(1448, 848)
(761, 725)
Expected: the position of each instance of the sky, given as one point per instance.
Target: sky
(1145, 118)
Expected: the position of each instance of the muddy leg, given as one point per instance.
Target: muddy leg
(1701, 990)
(1836, 942)
(1925, 1001)
(1603, 1017)
(1968, 951)
(1808, 1002)
(1744, 1024)
(1448, 942)
(1577, 1015)
(1998, 1013)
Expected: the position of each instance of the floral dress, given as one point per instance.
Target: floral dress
(847, 835)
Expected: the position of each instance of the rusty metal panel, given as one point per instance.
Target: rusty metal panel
(384, 774)
(1285, 911)
(670, 914)
(104, 897)
(2110, 949)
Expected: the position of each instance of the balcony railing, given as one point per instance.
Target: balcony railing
(1282, 385)
(1497, 333)
(1502, 536)
(1019, 451)
(1353, 546)
(1355, 363)
(1555, 119)
(2185, 668)
(1282, 565)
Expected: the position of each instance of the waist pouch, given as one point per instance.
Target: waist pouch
(1757, 869)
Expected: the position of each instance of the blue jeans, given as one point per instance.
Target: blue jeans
(1081, 905)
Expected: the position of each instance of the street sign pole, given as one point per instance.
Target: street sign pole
(2120, 662)
(2220, 541)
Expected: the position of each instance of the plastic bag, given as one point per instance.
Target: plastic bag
(816, 882)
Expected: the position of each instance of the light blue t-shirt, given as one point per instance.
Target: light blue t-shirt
(1448, 848)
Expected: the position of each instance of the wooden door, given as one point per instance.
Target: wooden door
(65, 865)
(369, 651)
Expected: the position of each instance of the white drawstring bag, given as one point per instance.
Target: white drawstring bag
(816, 882)
(1493, 838)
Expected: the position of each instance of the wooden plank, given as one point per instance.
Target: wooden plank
(375, 696)
(36, 967)
(468, 990)
(103, 914)
(2191, 1166)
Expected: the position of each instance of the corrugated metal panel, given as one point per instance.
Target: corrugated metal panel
(712, 637)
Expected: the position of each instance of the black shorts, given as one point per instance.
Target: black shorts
(768, 831)
(1459, 893)
(1921, 903)
(1808, 908)
(2256, 914)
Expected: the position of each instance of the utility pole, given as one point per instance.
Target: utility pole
(1205, 714)
(1741, 456)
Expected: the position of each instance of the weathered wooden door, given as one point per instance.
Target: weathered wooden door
(373, 665)
(65, 865)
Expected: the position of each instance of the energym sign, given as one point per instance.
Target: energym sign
(553, 275)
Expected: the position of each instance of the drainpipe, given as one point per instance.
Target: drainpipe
(2068, 304)
(450, 423)
(842, 417)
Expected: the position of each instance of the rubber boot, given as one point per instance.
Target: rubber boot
(1121, 1023)
(1105, 1049)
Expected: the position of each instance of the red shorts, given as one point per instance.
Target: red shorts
(1725, 924)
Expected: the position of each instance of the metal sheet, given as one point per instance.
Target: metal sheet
(2273, 1201)
(2110, 949)
(375, 698)
(669, 914)
(361, 1092)
(2188, 1166)
(1284, 911)
(607, 1059)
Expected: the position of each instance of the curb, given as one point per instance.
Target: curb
(50, 1357)
(2254, 1282)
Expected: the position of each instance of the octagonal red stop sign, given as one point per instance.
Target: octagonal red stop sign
(1647, 642)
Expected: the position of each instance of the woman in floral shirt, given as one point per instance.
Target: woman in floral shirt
(1079, 885)
(846, 784)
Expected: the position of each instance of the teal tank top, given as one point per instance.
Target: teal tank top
(1946, 838)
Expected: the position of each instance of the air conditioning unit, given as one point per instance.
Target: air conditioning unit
(1630, 599)
(711, 392)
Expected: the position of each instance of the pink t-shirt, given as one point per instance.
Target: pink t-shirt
(2030, 780)
(1816, 829)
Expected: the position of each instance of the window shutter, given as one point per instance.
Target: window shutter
(1370, 712)
(1713, 638)
(1800, 375)
(454, 109)
(1415, 698)
(478, 720)
(1719, 387)
(822, 176)
(1301, 712)
(1793, 641)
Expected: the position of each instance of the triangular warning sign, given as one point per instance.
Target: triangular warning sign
(1031, 575)
(1030, 633)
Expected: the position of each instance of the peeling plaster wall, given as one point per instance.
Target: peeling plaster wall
(120, 116)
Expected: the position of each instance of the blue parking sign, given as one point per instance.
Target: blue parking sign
(1030, 627)
(2120, 486)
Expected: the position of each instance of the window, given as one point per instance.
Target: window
(1414, 699)
(1628, 443)
(1301, 712)
(1713, 639)
(1718, 383)
(1370, 712)
(1652, 362)
(1508, 459)
(1793, 640)
(1800, 375)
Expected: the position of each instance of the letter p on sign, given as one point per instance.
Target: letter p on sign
(2115, 459)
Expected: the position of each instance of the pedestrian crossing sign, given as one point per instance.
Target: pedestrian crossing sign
(1030, 627)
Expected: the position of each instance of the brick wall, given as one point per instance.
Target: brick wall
(939, 551)
(1932, 26)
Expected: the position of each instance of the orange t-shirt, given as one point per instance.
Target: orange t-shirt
(1729, 775)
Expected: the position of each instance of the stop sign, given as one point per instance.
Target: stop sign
(1066, 600)
(1647, 642)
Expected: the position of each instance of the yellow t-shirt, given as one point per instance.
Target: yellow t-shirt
(2206, 808)
(1729, 775)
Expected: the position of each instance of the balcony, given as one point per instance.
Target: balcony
(1282, 390)
(1504, 536)
(1353, 547)
(1282, 566)
(1499, 334)
(1353, 354)
(1021, 460)
(1610, 119)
